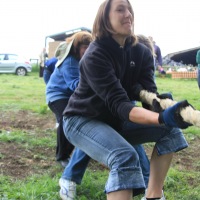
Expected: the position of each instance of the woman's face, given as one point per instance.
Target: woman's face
(82, 50)
(120, 17)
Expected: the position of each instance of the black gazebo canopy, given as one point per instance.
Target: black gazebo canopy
(186, 56)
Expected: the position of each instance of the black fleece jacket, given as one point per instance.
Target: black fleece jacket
(110, 76)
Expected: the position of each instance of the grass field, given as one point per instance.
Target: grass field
(28, 170)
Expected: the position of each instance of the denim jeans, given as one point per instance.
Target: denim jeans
(76, 167)
(78, 163)
(115, 149)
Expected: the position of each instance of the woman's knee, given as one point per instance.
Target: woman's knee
(123, 157)
(125, 171)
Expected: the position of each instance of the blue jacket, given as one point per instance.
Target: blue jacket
(50, 64)
(108, 74)
(63, 81)
(49, 68)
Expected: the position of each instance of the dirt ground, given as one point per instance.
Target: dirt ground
(17, 161)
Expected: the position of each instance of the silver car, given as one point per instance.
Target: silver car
(12, 63)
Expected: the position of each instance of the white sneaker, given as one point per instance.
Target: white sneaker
(162, 198)
(67, 189)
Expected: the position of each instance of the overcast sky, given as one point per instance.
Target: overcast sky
(174, 24)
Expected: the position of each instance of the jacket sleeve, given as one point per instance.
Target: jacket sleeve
(70, 71)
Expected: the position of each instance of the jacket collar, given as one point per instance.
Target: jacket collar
(110, 44)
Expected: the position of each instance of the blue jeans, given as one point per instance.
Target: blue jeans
(78, 163)
(115, 149)
(76, 167)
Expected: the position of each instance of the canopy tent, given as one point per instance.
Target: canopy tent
(187, 57)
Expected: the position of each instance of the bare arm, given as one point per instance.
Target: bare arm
(143, 116)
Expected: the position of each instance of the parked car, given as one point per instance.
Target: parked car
(12, 63)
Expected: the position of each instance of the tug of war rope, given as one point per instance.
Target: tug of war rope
(189, 114)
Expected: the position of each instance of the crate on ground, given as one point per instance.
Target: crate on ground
(187, 75)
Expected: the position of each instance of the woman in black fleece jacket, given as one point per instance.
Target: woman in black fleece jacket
(100, 117)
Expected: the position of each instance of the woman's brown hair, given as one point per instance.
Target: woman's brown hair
(79, 38)
(102, 26)
(147, 42)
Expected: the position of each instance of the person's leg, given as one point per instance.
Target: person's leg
(64, 148)
(159, 168)
(73, 174)
(92, 137)
(198, 77)
(104, 144)
(41, 71)
(120, 195)
(76, 167)
(144, 162)
(168, 140)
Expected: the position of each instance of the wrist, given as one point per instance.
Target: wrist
(160, 118)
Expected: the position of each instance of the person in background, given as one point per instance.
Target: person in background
(42, 58)
(161, 70)
(198, 65)
(49, 68)
(158, 55)
(100, 118)
(62, 84)
(147, 42)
